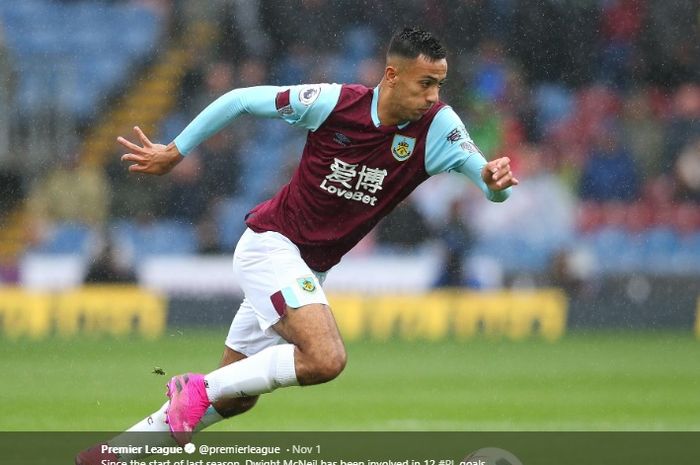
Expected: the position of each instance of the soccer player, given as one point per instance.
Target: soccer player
(366, 150)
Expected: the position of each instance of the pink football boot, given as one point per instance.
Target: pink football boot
(188, 404)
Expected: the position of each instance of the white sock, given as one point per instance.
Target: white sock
(260, 373)
(155, 423)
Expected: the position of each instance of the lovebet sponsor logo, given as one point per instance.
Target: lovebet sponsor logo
(352, 182)
(357, 196)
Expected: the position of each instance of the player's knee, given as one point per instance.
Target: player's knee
(331, 365)
(233, 407)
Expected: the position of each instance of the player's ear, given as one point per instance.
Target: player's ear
(390, 75)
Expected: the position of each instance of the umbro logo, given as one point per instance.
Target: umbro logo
(342, 139)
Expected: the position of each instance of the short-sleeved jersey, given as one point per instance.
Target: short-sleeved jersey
(352, 173)
(353, 170)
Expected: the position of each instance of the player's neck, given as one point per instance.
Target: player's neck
(384, 107)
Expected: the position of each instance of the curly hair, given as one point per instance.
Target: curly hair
(410, 42)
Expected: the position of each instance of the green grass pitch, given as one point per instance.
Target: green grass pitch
(627, 381)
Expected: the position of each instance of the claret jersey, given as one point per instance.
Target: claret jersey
(353, 170)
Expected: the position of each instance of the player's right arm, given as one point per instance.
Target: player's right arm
(450, 148)
(305, 106)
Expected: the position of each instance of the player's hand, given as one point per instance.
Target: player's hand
(150, 158)
(497, 174)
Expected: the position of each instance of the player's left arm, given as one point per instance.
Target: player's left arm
(450, 149)
(306, 106)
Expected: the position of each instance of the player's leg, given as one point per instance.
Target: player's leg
(315, 354)
(243, 325)
(157, 421)
(320, 353)
(236, 406)
(286, 299)
(154, 430)
(314, 360)
(245, 338)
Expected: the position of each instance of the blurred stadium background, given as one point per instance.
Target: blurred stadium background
(572, 306)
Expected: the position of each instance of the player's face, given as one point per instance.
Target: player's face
(417, 86)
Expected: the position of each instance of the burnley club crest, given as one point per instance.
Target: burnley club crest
(402, 147)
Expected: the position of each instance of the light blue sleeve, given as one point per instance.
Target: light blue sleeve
(309, 106)
(449, 148)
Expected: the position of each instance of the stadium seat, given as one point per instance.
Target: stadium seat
(514, 253)
(161, 237)
(659, 244)
(67, 238)
(686, 256)
(360, 42)
(609, 244)
(589, 216)
(44, 37)
(553, 104)
(139, 30)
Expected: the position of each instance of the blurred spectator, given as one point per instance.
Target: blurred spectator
(542, 39)
(621, 24)
(208, 235)
(253, 72)
(206, 80)
(322, 20)
(553, 105)
(456, 240)
(6, 92)
(184, 198)
(574, 272)
(369, 72)
(404, 228)
(133, 195)
(73, 192)
(671, 42)
(519, 108)
(688, 172)
(684, 124)
(203, 83)
(472, 21)
(595, 106)
(242, 33)
(109, 267)
(220, 167)
(218, 79)
(489, 71)
(11, 188)
(541, 210)
(435, 197)
(609, 173)
(642, 133)
(485, 126)
(658, 195)
(293, 67)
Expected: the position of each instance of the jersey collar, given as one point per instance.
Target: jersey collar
(375, 112)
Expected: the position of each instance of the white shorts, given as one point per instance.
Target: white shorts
(273, 276)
